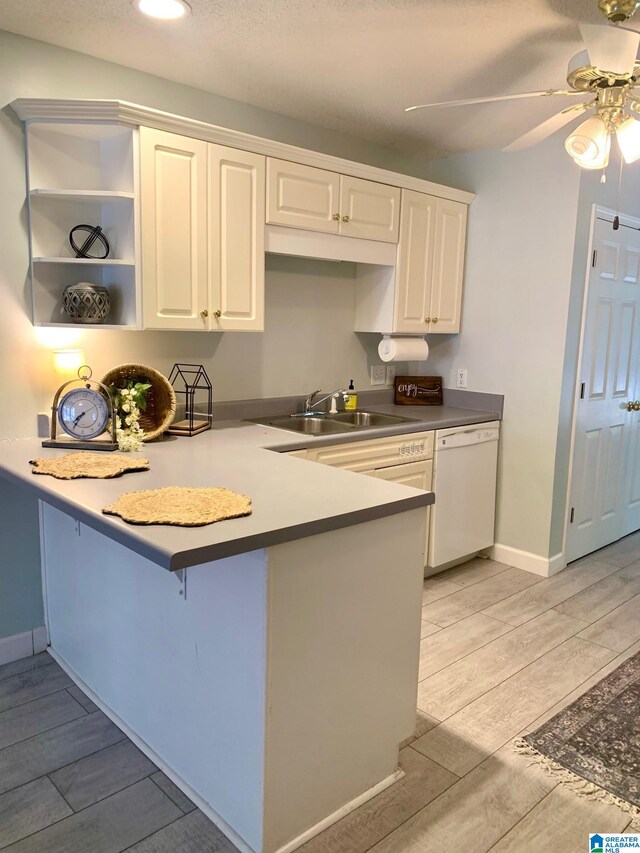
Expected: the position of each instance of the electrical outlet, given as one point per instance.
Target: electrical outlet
(461, 377)
(391, 374)
(378, 374)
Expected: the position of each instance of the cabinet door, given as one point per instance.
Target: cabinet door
(414, 269)
(173, 182)
(236, 229)
(448, 266)
(302, 197)
(369, 210)
(416, 474)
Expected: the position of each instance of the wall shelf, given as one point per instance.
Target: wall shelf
(91, 262)
(89, 196)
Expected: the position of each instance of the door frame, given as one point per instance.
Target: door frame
(607, 214)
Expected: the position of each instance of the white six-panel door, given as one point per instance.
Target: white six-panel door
(173, 178)
(605, 484)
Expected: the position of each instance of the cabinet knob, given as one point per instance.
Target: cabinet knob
(434, 319)
(427, 319)
(217, 313)
(345, 218)
(336, 217)
(204, 314)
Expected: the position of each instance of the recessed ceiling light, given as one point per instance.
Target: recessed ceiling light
(166, 10)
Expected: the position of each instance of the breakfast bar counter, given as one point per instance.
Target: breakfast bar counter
(272, 671)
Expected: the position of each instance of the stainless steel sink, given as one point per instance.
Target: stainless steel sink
(314, 425)
(364, 419)
(322, 424)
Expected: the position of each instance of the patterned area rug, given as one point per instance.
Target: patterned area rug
(594, 745)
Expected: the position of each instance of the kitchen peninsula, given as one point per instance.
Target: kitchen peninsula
(272, 673)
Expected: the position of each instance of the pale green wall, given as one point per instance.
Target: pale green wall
(310, 306)
(514, 320)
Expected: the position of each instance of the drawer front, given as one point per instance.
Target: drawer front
(363, 456)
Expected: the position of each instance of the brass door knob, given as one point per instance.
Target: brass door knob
(434, 319)
(336, 217)
(427, 319)
(204, 314)
(217, 313)
(633, 406)
(345, 218)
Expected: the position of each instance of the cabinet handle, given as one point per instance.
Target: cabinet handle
(217, 313)
(427, 319)
(434, 320)
(345, 218)
(204, 314)
(336, 217)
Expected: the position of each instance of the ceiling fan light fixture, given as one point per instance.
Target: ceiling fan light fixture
(165, 10)
(628, 135)
(590, 143)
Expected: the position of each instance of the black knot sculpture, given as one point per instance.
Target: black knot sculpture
(92, 234)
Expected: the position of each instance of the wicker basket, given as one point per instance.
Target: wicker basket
(161, 399)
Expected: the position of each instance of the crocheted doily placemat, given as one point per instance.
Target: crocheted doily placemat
(178, 505)
(100, 466)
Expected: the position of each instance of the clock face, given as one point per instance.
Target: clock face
(83, 413)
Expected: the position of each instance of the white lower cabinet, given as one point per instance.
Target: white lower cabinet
(404, 459)
(202, 234)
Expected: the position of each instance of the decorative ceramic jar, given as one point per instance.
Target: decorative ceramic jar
(86, 303)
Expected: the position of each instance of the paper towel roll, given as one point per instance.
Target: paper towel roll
(403, 349)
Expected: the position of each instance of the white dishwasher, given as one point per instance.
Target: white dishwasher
(464, 481)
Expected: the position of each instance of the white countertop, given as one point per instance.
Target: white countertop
(292, 498)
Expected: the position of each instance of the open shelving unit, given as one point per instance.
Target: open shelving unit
(83, 174)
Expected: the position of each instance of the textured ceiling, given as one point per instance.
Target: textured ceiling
(349, 65)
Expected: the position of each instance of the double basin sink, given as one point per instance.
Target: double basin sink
(326, 424)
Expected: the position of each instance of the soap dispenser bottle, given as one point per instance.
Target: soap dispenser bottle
(351, 403)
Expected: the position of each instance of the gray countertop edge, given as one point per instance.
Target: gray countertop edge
(187, 559)
(125, 534)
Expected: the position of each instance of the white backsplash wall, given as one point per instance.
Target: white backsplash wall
(308, 340)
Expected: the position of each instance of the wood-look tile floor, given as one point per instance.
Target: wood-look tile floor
(502, 650)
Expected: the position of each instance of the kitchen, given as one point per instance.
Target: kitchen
(490, 322)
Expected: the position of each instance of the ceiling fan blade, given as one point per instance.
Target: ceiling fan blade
(610, 48)
(465, 101)
(547, 128)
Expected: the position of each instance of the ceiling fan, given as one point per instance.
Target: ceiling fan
(609, 72)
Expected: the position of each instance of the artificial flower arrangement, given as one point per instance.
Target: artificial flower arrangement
(128, 402)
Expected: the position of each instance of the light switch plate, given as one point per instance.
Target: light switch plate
(391, 374)
(461, 377)
(378, 374)
(44, 425)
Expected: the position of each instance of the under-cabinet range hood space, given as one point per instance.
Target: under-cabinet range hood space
(302, 243)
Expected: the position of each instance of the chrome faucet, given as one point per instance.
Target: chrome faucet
(311, 401)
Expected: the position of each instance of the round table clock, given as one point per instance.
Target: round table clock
(85, 412)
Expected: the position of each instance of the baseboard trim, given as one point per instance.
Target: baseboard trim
(527, 560)
(210, 812)
(23, 645)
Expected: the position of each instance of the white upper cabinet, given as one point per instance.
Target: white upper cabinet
(318, 200)
(414, 268)
(369, 210)
(173, 198)
(202, 234)
(302, 197)
(423, 294)
(185, 214)
(236, 228)
(430, 266)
